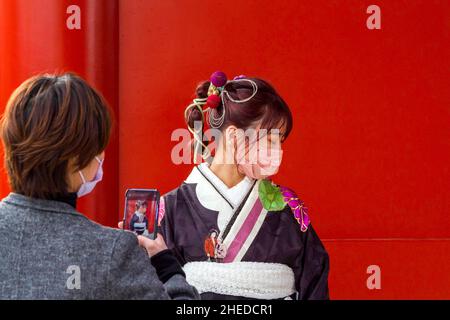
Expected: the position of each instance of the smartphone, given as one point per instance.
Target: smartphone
(141, 212)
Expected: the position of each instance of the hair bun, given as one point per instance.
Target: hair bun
(193, 115)
(202, 89)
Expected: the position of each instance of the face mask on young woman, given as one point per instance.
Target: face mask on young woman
(262, 161)
(88, 186)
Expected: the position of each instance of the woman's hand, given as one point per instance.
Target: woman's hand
(152, 246)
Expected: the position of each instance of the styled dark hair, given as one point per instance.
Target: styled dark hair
(49, 120)
(266, 107)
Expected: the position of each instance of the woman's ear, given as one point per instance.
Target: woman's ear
(229, 140)
(230, 133)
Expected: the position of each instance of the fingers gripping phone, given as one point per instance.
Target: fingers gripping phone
(141, 212)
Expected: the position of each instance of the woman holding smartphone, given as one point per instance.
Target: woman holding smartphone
(238, 234)
(54, 130)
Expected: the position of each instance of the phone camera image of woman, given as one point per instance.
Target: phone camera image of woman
(139, 221)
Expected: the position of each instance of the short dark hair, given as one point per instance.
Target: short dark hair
(49, 120)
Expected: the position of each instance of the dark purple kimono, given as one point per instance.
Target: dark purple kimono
(186, 224)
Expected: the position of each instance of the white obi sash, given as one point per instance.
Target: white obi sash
(257, 280)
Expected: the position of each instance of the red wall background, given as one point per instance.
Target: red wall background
(34, 39)
(369, 152)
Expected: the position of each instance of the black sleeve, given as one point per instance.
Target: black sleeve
(133, 220)
(312, 281)
(166, 265)
(167, 228)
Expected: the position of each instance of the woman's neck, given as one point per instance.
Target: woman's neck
(228, 173)
(224, 166)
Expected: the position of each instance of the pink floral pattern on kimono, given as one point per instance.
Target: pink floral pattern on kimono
(162, 210)
(297, 206)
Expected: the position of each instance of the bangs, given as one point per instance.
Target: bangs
(264, 108)
(277, 116)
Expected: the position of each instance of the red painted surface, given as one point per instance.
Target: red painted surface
(35, 39)
(410, 269)
(369, 152)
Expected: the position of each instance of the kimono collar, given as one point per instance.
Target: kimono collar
(213, 194)
(234, 194)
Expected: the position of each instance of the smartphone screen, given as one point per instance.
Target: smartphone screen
(141, 212)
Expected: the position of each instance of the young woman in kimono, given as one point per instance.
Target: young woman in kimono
(238, 234)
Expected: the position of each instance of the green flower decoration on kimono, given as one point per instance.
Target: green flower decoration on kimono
(271, 196)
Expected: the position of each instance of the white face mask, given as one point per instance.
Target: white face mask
(88, 186)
